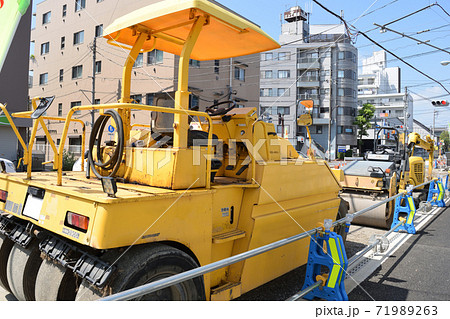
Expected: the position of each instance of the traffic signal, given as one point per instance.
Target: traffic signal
(440, 103)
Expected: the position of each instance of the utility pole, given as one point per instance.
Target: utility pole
(94, 56)
(405, 116)
(434, 119)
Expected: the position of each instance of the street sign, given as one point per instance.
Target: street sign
(341, 149)
(111, 129)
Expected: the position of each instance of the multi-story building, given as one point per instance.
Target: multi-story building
(315, 62)
(14, 90)
(67, 34)
(381, 86)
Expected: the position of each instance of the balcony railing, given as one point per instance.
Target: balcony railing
(308, 96)
(307, 78)
(308, 60)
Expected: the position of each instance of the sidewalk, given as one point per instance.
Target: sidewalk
(417, 271)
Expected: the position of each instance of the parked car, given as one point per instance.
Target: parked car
(10, 168)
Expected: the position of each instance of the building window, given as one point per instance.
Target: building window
(268, 74)
(63, 42)
(77, 72)
(59, 110)
(347, 55)
(193, 101)
(99, 1)
(73, 104)
(139, 60)
(30, 79)
(282, 56)
(79, 5)
(284, 74)
(267, 56)
(216, 66)
(280, 129)
(61, 75)
(266, 92)
(319, 129)
(78, 37)
(282, 92)
(96, 102)
(266, 111)
(348, 130)
(346, 110)
(370, 81)
(194, 63)
(64, 10)
(324, 72)
(98, 30)
(98, 67)
(149, 98)
(348, 74)
(239, 73)
(155, 57)
(46, 17)
(45, 48)
(136, 98)
(285, 110)
(43, 78)
(347, 92)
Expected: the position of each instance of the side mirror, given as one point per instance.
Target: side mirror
(42, 107)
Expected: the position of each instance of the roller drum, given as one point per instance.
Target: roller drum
(377, 217)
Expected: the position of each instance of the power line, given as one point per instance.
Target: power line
(409, 37)
(408, 15)
(382, 47)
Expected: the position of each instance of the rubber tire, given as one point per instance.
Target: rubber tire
(342, 212)
(23, 265)
(141, 265)
(6, 245)
(55, 283)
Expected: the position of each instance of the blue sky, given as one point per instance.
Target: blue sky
(266, 13)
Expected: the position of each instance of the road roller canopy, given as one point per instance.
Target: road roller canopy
(168, 23)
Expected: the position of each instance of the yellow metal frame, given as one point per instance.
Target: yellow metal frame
(127, 107)
(27, 157)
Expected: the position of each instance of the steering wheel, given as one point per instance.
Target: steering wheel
(214, 110)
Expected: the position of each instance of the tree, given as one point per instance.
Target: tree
(444, 137)
(365, 114)
(68, 160)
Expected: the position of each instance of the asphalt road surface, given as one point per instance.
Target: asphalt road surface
(412, 273)
(290, 283)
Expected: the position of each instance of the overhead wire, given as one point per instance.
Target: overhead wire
(382, 47)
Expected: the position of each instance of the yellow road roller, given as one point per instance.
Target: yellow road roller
(154, 205)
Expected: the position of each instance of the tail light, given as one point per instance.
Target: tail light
(77, 221)
(3, 196)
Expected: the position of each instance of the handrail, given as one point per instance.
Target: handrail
(196, 272)
(131, 106)
(28, 150)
